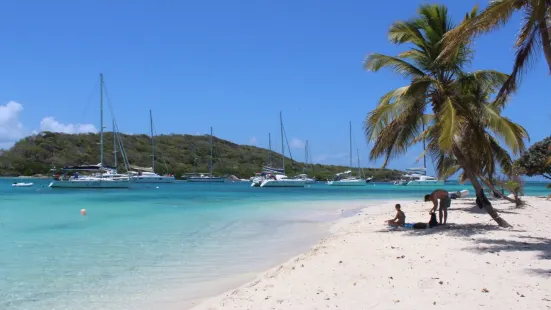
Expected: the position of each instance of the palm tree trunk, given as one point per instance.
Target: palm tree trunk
(487, 205)
(516, 201)
(546, 42)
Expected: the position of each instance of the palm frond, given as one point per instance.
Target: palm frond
(375, 62)
(493, 17)
(406, 32)
(513, 134)
(450, 125)
(527, 46)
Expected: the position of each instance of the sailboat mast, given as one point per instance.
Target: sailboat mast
(306, 156)
(210, 151)
(152, 142)
(282, 139)
(114, 145)
(101, 118)
(270, 153)
(194, 159)
(350, 123)
(359, 171)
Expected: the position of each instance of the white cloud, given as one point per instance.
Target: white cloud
(297, 143)
(11, 128)
(50, 124)
(253, 141)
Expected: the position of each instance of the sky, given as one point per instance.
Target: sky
(232, 65)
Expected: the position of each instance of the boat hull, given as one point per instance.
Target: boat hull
(282, 183)
(22, 185)
(90, 184)
(426, 183)
(155, 179)
(347, 183)
(207, 180)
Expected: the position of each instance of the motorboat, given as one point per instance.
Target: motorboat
(418, 177)
(280, 180)
(207, 177)
(346, 179)
(305, 178)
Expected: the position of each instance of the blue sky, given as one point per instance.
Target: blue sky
(232, 65)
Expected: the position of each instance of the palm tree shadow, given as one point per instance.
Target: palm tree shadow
(540, 272)
(452, 230)
(540, 246)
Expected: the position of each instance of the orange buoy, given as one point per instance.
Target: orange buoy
(82, 211)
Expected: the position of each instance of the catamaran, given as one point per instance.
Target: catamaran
(280, 179)
(102, 176)
(346, 178)
(204, 177)
(147, 174)
(418, 177)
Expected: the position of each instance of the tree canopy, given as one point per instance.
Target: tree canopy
(536, 161)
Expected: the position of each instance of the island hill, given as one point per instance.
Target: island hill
(175, 153)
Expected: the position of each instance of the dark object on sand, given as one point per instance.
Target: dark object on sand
(433, 222)
(420, 226)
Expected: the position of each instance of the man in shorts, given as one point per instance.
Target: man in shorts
(445, 203)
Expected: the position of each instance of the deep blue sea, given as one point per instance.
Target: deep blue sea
(160, 247)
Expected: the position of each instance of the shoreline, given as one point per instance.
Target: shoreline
(469, 263)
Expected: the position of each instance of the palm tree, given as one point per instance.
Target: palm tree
(535, 32)
(463, 126)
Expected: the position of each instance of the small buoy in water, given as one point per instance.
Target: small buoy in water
(157, 187)
(82, 211)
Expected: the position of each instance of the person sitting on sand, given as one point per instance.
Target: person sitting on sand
(399, 219)
(445, 203)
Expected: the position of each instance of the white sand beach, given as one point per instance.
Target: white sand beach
(468, 264)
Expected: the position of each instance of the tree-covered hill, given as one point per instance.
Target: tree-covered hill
(37, 154)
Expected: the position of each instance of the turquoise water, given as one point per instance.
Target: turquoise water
(164, 246)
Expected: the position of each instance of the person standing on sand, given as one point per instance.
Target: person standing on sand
(445, 203)
(399, 219)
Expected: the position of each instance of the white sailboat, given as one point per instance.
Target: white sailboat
(304, 176)
(280, 179)
(204, 177)
(346, 178)
(102, 176)
(147, 174)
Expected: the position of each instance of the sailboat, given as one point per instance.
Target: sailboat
(304, 176)
(103, 176)
(346, 178)
(361, 171)
(148, 175)
(279, 179)
(257, 179)
(207, 177)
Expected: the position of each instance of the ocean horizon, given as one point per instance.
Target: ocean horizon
(165, 244)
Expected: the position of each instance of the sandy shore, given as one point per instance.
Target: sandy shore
(468, 264)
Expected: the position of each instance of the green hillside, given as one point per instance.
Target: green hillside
(36, 154)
